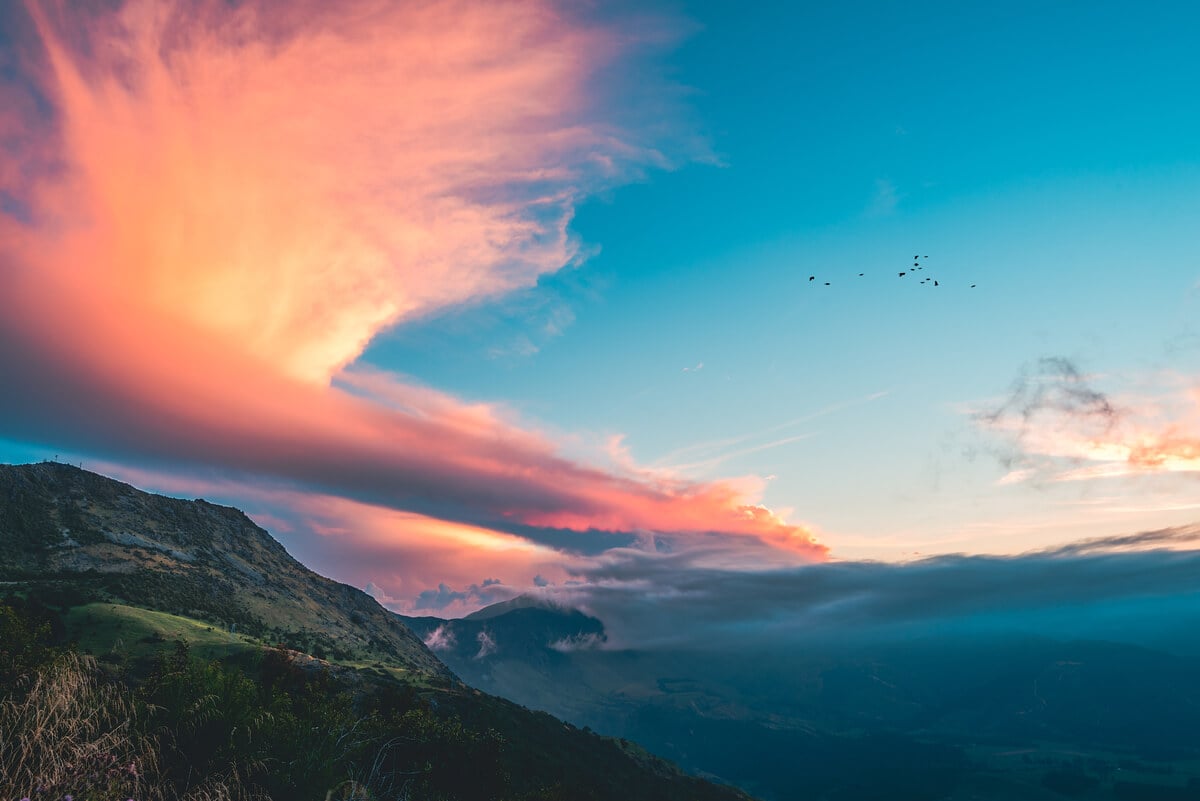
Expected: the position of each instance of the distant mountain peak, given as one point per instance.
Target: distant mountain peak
(520, 602)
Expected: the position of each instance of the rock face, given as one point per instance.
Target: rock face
(93, 536)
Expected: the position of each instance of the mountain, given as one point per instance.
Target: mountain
(513, 604)
(128, 571)
(95, 537)
(520, 649)
(530, 628)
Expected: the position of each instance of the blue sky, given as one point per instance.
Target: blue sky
(1046, 154)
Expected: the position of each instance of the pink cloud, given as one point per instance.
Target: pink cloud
(290, 180)
(1069, 431)
(226, 206)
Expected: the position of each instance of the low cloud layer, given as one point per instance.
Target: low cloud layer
(489, 592)
(664, 600)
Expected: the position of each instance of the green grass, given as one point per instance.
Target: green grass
(129, 632)
(379, 668)
(105, 628)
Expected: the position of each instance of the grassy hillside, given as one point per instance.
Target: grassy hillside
(116, 629)
(156, 719)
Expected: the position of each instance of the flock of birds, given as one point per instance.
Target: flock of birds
(917, 266)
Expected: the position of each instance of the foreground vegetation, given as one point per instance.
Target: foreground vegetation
(202, 729)
(155, 720)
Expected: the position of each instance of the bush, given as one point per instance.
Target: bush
(24, 644)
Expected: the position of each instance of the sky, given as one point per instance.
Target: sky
(461, 300)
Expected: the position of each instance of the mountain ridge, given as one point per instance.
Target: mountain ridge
(92, 534)
(524, 601)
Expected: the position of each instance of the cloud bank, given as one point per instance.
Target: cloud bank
(1080, 590)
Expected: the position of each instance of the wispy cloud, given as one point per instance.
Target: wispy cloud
(487, 644)
(884, 200)
(714, 461)
(523, 322)
(476, 595)
(702, 456)
(1057, 425)
(440, 639)
(1054, 385)
(1185, 536)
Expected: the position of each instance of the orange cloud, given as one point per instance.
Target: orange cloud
(1170, 450)
(290, 181)
(1101, 437)
(228, 203)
